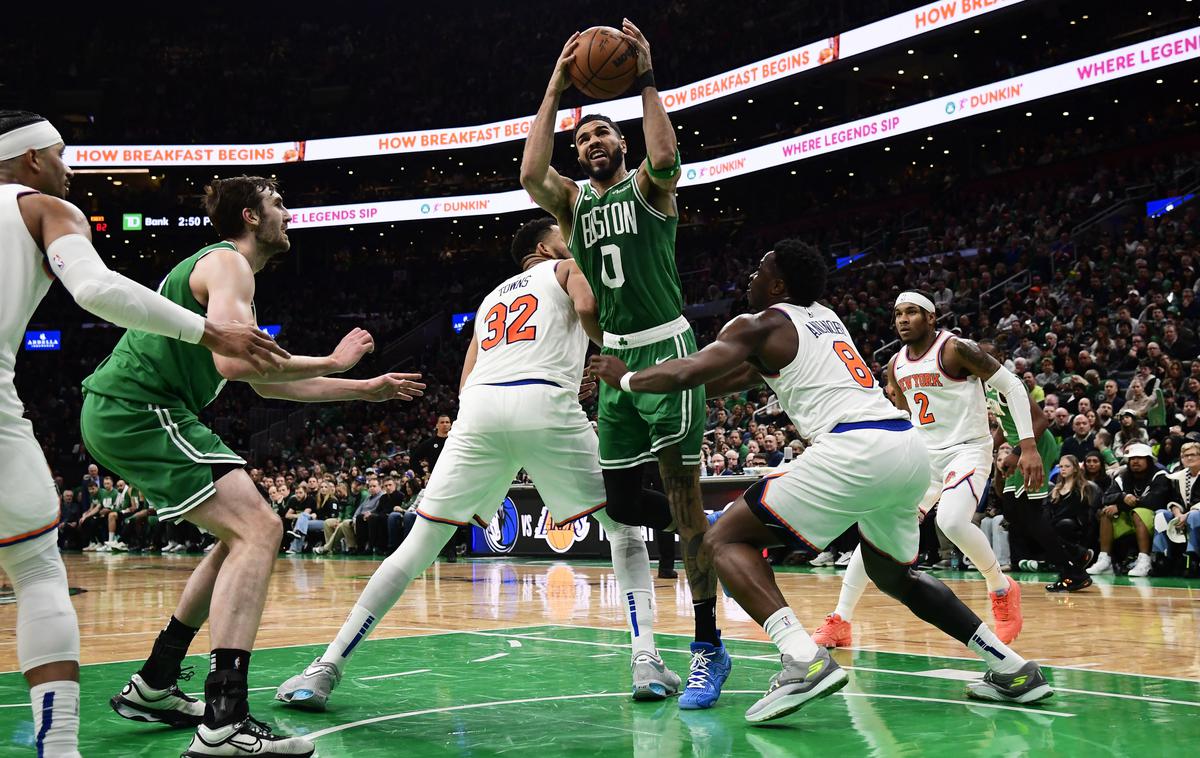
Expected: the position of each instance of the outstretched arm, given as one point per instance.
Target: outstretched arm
(737, 341)
(549, 189)
(225, 280)
(745, 377)
(325, 390)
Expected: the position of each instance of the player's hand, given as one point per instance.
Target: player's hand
(560, 80)
(587, 388)
(608, 369)
(356, 344)
(1110, 510)
(246, 342)
(392, 387)
(1030, 464)
(634, 36)
(1008, 464)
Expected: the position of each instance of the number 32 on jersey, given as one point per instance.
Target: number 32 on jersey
(502, 329)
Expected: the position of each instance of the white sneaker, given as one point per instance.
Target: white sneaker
(209, 547)
(180, 548)
(1141, 567)
(170, 546)
(248, 737)
(116, 546)
(844, 559)
(138, 701)
(320, 550)
(824, 559)
(103, 548)
(1103, 565)
(91, 547)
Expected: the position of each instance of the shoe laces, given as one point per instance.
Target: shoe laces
(252, 724)
(699, 676)
(1001, 606)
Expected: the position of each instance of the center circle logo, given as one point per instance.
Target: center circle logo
(501, 533)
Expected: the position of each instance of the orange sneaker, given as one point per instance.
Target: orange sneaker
(1007, 610)
(833, 633)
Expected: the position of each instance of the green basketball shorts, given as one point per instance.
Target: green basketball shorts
(165, 452)
(635, 426)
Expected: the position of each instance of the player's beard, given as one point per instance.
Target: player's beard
(616, 159)
(277, 243)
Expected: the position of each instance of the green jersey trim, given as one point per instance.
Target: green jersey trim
(637, 193)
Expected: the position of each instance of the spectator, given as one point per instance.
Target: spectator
(733, 464)
(1131, 433)
(430, 449)
(70, 512)
(717, 465)
(1137, 490)
(1060, 424)
(771, 451)
(1182, 513)
(1105, 421)
(1095, 470)
(1031, 386)
(993, 525)
(1048, 378)
(1083, 441)
(1072, 502)
(1189, 420)
(1112, 396)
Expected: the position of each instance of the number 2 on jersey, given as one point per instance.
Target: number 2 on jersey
(923, 414)
(854, 363)
(516, 330)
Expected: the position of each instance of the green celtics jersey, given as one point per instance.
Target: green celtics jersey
(1047, 445)
(148, 368)
(626, 250)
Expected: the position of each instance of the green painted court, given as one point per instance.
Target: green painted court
(561, 690)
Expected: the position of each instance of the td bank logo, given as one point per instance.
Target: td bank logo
(131, 222)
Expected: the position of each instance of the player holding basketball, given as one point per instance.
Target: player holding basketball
(939, 378)
(42, 236)
(518, 410)
(139, 419)
(804, 353)
(620, 226)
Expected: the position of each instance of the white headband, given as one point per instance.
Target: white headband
(916, 298)
(35, 136)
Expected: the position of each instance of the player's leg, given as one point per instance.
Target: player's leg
(624, 451)
(47, 641)
(473, 471)
(837, 629)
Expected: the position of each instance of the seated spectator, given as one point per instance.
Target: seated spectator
(1137, 401)
(771, 451)
(70, 512)
(1082, 442)
(1137, 490)
(1182, 514)
(992, 523)
(1072, 502)
(733, 465)
(1048, 378)
(1060, 424)
(1132, 433)
(1105, 421)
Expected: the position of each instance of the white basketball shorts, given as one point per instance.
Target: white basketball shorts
(28, 501)
(958, 476)
(868, 475)
(503, 429)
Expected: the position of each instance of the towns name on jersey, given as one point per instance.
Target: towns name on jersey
(919, 380)
(607, 221)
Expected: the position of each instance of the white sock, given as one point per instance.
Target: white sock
(631, 564)
(854, 583)
(998, 656)
(387, 584)
(789, 636)
(112, 537)
(56, 718)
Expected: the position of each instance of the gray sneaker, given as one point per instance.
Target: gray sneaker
(798, 683)
(311, 689)
(1028, 685)
(652, 680)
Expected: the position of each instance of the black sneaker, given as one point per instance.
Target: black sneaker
(1070, 584)
(247, 737)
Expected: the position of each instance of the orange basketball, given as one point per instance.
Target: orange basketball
(605, 65)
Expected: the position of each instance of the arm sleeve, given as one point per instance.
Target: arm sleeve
(116, 298)
(1007, 383)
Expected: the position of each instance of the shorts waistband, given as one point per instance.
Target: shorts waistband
(647, 336)
(887, 425)
(522, 383)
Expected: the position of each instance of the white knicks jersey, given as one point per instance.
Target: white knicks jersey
(527, 328)
(827, 383)
(24, 281)
(947, 411)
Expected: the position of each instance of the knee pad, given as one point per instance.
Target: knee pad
(47, 628)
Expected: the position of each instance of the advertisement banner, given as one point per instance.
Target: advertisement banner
(873, 36)
(1097, 69)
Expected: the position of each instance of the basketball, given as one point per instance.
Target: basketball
(605, 64)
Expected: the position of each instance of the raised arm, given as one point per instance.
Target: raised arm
(657, 182)
(549, 189)
(738, 340)
(64, 234)
(224, 280)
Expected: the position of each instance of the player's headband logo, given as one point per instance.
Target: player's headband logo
(917, 299)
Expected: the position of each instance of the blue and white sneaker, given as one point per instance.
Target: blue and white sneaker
(710, 668)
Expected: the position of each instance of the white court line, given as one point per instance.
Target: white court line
(604, 655)
(389, 676)
(490, 657)
(514, 643)
(874, 649)
(557, 698)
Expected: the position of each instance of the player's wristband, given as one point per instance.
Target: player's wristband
(625, 380)
(644, 80)
(664, 173)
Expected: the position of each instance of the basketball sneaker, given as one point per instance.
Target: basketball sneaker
(1072, 583)
(1006, 608)
(711, 665)
(1027, 685)
(797, 684)
(247, 737)
(835, 632)
(1103, 565)
(138, 701)
(652, 680)
(310, 689)
(825, 558)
